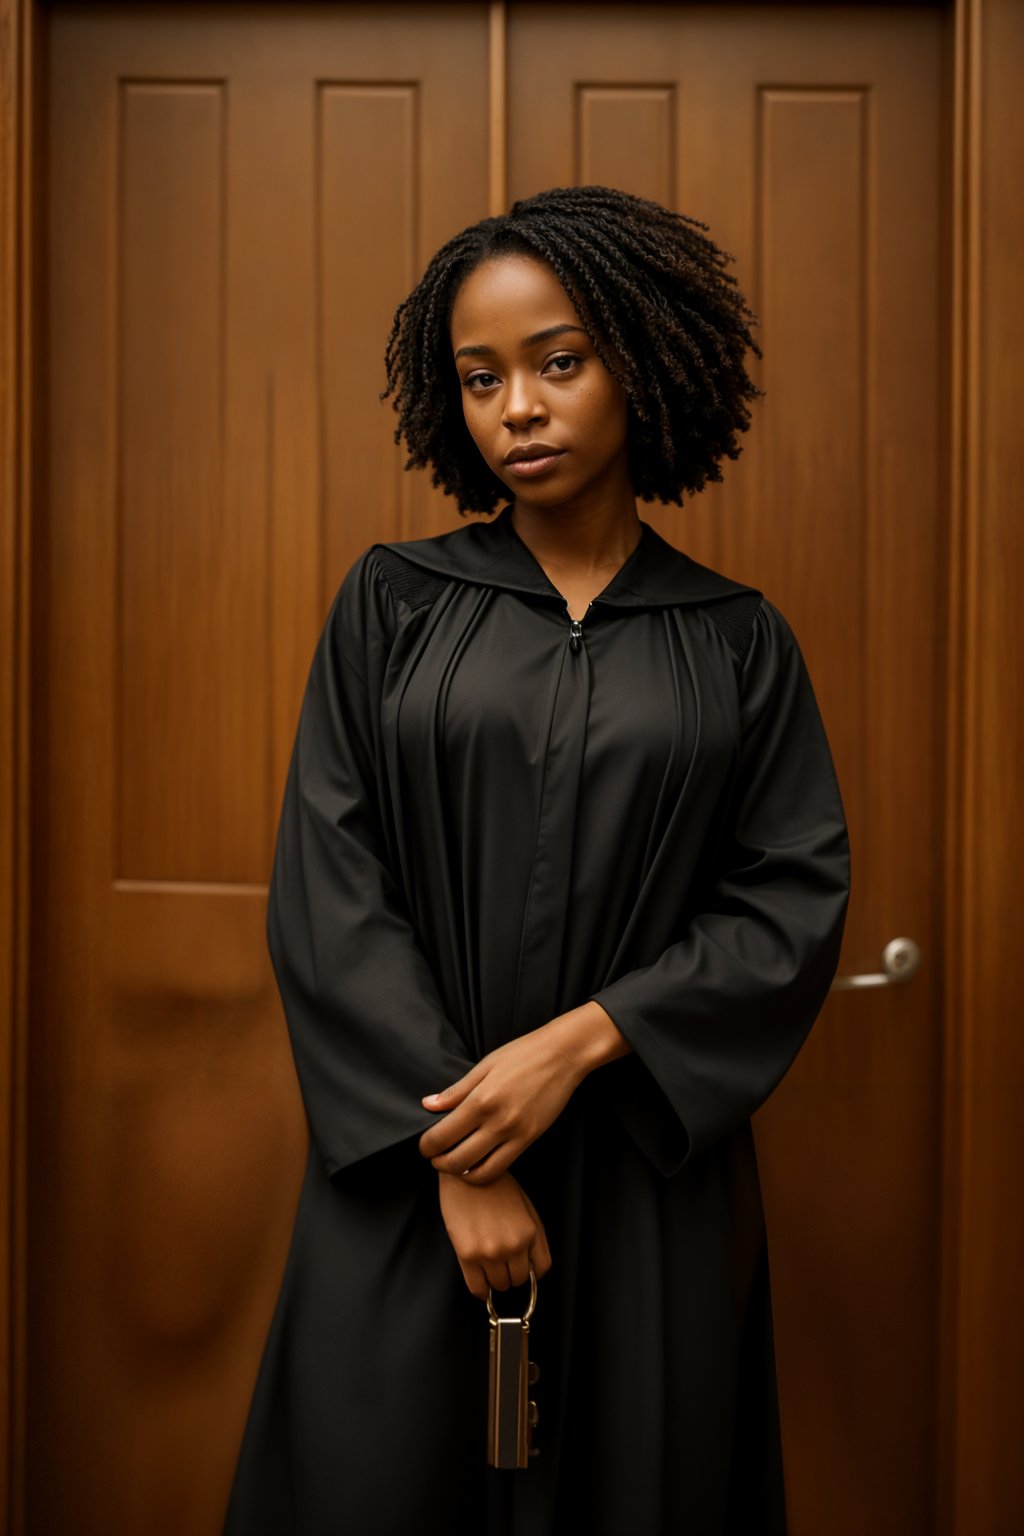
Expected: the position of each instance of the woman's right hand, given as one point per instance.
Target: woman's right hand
(495, 1231)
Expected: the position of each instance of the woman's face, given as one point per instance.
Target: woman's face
(546, 414)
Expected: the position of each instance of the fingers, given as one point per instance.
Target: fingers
(451, 1095)
(496, 1232)
(501, 1274)
(457, 1123)
(519, 1269)
(457, 1155)
(540, 1253)
(471, 1105)
(475, 1279)
(495, 1275)
(475, 1158)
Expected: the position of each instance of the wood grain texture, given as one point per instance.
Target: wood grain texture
(190, 546)
(151, 1024)
(19, 291)
(981, 1474)
(813, 152)
(497, 91)
(237, 203)
(626, 136)
(368, 179)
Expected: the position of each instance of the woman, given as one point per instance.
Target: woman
(559, 889)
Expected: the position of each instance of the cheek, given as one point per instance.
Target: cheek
(470, 416)
(586, 403)
(616, 410)
(603, 411)
(476, 423)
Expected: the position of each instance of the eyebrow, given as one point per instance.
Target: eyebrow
(527, 341)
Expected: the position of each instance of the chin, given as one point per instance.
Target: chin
(545, 494)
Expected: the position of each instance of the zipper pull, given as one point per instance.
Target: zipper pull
(576, 628)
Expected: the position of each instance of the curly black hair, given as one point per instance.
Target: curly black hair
(665, 318)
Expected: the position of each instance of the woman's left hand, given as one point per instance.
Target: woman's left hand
(514, 1093)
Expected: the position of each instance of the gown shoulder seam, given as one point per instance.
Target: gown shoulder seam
(408, 583)
(735, 618)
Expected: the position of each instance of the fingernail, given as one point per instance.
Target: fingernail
(430, 1098)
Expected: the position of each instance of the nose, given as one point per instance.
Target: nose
(523, 404)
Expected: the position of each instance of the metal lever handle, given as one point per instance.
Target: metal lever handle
(901, 959)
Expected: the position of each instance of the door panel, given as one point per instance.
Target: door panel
(810, 140)
(237, 202)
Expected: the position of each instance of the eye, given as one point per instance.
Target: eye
(565, 362)
(482, 379)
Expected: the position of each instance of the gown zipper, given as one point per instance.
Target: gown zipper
(576, 628)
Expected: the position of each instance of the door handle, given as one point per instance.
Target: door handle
(901, 959)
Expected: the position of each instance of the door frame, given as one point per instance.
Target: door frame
(981, 1175)
(20, 244)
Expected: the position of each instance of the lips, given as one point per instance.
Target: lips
(532, 451)
(532, 469)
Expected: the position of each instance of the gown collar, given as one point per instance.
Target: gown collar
(492, 554)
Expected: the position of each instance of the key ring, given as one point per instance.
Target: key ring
(529, 1311)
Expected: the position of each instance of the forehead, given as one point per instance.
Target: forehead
(508, 294)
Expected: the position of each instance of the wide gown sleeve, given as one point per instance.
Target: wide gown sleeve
(367, 1026)
(720, 1015)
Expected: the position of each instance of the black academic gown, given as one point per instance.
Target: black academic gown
(486, 823)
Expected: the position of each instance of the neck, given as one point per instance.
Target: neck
(581, 537)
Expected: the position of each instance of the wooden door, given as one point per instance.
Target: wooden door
(237, 202)
(810, 140)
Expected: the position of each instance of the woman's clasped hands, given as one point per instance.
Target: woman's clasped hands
(501, 1105)
(491, 1115)
(515, 1092)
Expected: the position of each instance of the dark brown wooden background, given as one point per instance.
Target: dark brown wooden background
(224, 208)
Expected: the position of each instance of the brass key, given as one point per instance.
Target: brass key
(511, 1414)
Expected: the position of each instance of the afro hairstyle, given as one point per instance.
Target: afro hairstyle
(664, 316)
